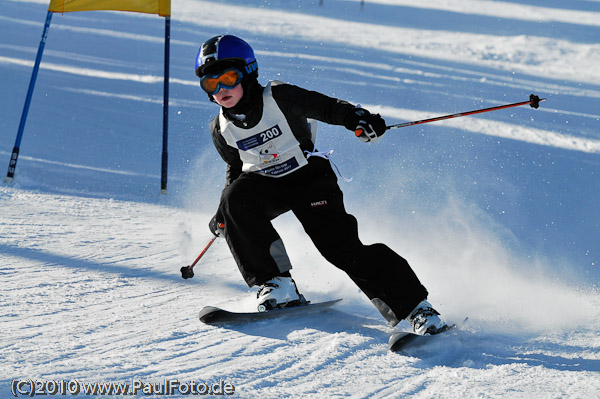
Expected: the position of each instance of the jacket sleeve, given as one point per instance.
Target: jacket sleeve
(230, 155)
(311, 104)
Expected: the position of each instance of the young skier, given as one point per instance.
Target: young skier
(263, 135)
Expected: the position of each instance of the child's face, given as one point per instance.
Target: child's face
(229, 97)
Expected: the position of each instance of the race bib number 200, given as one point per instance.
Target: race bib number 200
(259, 139)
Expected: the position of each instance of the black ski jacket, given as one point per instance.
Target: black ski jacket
(297, 105)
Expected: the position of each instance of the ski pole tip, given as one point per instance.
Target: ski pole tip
(535, 101)
(186, 272)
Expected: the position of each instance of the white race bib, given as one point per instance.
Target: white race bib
(268, 148)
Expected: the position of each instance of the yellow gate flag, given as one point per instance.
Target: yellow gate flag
(160, 7)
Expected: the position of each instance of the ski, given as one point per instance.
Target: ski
(216, 316)
(403, 339)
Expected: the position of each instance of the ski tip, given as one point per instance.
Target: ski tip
(209, 313)
(399, 340)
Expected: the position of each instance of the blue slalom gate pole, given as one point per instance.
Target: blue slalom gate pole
(12, 165)
(165, 154)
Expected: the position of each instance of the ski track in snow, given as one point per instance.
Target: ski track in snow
(90, 256)
(113, 307)
(474, 125)
(189, 11)
(560, 59)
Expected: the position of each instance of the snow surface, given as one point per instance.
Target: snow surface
(498, 213)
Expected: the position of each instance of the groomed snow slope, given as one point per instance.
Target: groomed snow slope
(497, 214)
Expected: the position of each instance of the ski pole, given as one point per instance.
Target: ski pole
(534, 102)
(187, 271)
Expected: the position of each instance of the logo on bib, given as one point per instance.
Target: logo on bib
(269, 154)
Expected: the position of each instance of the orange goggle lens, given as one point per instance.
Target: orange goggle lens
(228, 80)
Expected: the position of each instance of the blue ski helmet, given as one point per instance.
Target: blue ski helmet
(225, 51)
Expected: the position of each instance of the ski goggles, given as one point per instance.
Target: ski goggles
(227, 79)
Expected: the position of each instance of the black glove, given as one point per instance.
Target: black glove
(216, 226)
(367, 127)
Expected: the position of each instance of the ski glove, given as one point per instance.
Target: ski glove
(216, 227)
(367, 127)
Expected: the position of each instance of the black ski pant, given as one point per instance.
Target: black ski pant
(252, 201)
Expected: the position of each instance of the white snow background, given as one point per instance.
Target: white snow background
(497, 213)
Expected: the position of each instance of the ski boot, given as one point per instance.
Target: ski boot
(279, 292)
(425, 320)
